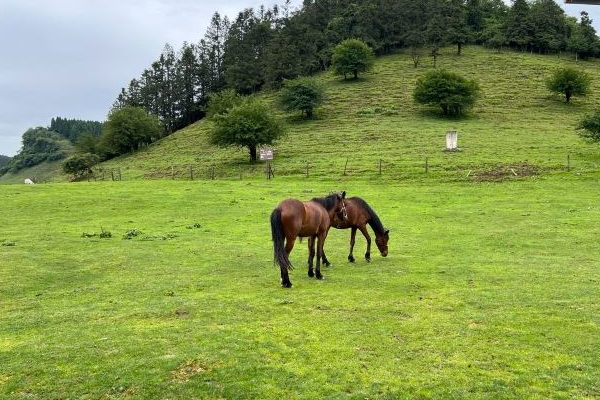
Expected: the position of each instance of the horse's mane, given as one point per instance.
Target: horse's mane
(374, 220)
(328, 202)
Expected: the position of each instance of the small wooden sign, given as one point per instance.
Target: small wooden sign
(265, 153)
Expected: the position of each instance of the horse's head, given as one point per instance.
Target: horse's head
(340, 210)
(381, 240)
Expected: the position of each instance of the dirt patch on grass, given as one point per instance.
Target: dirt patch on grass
(189, 369)
(503, 172)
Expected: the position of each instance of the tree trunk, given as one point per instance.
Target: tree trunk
(252, 149)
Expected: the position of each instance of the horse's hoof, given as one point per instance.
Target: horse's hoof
(326, 264)
(311, 274)
(320, 277)
(351, 259)
(286, 285)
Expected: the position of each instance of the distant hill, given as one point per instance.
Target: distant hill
(4, 160)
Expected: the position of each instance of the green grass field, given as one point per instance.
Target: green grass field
(490, 291)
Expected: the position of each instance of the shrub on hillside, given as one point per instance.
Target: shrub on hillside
(589, 127)
(448, 90)
(302, 94)
(80, 165)
(570, 82)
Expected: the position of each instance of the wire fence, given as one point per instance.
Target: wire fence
(397, 169)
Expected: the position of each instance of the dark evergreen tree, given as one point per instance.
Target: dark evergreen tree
(244, 50)
(549, 25)
(457, 30)
(211, 51)
(187, 87)
(436, 31)
(519, 28)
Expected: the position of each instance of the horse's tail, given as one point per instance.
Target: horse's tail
(279, 254)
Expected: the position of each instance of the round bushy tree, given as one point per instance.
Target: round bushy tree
(80, 165)
(589, 127)
(352, 57)
(248, 124)
(127, 129)
(448, 90)
(302, 94)
(570, 82)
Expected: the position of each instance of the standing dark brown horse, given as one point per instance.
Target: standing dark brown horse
(294, 218)
(359, 215)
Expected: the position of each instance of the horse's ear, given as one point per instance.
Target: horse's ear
(344, 194)
(387, 233)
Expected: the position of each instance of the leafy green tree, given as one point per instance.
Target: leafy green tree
(87, 143)
(589, 127)
(80, 165)
(127, 130)
(448, 90)
(570, 82)
(352, 56)
(302, 94)
(249, 124)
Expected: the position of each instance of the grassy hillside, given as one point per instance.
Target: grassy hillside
(516, 124)
(44, 172)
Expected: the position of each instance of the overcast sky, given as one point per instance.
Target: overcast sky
(70, 58)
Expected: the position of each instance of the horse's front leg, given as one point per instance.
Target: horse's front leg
(324, 258)
(352, 241)
(321, 242)
(365, 232)
(311, 256)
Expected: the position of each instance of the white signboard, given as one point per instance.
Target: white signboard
(266, 153)
(451, 140)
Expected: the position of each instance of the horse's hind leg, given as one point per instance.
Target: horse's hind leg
(326, 262)
(311, 256)
(285, 278)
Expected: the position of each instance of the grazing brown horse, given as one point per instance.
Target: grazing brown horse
(359, 215)
(294, 218)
